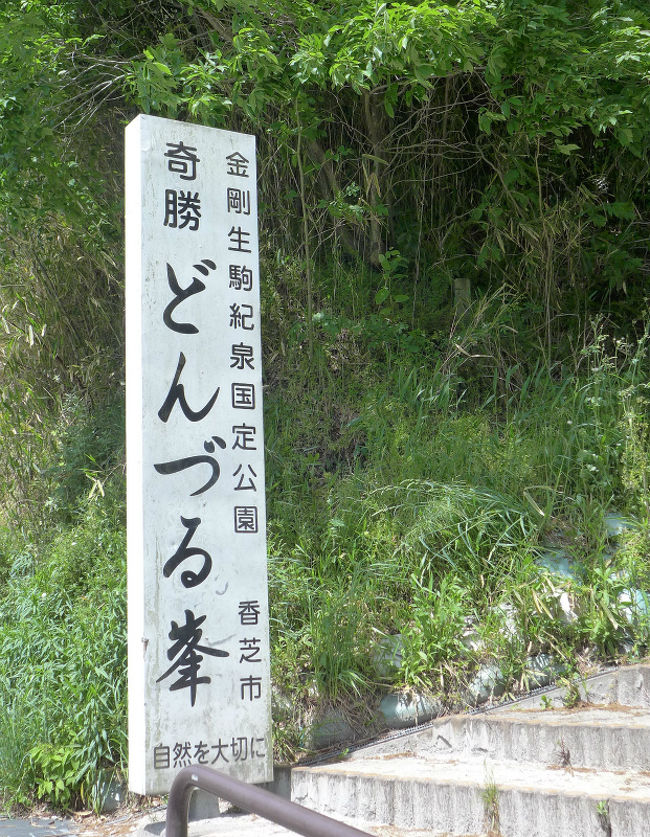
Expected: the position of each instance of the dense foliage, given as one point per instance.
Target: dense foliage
(455, 218)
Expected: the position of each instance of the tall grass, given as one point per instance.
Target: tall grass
(63, 663)
(410, 491)
(465, 476)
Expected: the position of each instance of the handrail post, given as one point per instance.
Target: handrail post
(178, 804)
(249, 798)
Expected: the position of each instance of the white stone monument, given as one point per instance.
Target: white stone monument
(199, 686)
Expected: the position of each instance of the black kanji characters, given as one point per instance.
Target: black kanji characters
(182, 160)
(187, 654)
(252, 686)
(249, 485)
(250, 650)
(161, 757)
(239, 747)
(239, 237)
(183, 209)
(249, 612)
(245, 520)
(243, 396)
(182, 757)
(191, 563)
(241, 316)
(241, 356)
(237, 164)
(244, 437)
(240, 277)
(186, 753)
(221, 748)
(238, 201)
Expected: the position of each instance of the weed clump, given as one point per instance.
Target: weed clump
(434, 531)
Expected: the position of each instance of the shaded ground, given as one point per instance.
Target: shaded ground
(37, 827)
(131, 824)
(120, 824)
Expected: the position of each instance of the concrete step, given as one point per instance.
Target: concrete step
(531, 771)
(248, 825)
(626, 686)
(611, 737)
(470, 794)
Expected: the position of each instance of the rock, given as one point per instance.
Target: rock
(635, 604)
(328, 731)
(387, 655)
(541, 670)
(203, 806)
(627, 646)
(109, 793)
(557, 561)
(470, 637)
(566, 606)
(616, 525)
(281, 706)
(406, 710)
(509, 623)
(488, 682)
(472, 641)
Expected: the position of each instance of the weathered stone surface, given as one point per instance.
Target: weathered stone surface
(111, 793)
(487, 683)
(387, 655)
(559, 772)
(203, 806)
(557, 561)
(451, 795)
(400, 711)
(566, 607)
(509, 623)
(174, 466)
(548, 773)
(616, 525)
(635, 604)
(541, 669)
(331, 729)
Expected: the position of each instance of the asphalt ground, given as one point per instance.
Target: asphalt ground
(37, 827)
(125, 822)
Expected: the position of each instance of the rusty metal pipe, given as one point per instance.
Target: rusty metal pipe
(249, 798)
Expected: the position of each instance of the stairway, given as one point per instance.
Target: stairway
(535, 768)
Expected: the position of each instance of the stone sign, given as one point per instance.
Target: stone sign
(199, 688)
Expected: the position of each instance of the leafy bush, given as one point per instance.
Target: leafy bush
(437, 237)
(63, 634)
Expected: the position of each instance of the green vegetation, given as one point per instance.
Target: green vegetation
(454, 289)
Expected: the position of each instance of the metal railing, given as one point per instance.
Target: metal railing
(249, 798)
